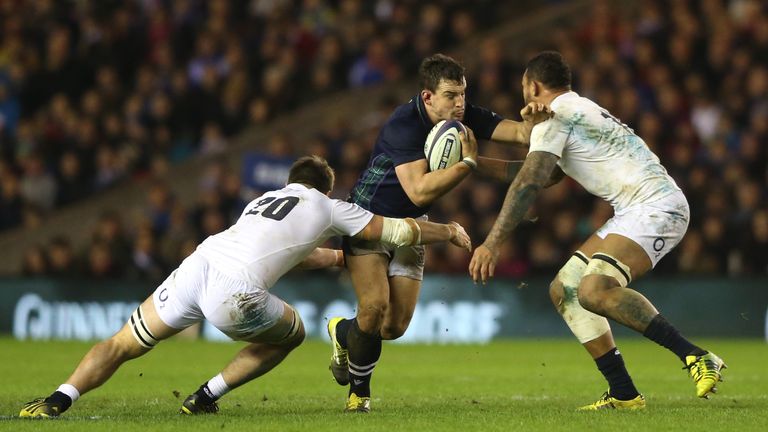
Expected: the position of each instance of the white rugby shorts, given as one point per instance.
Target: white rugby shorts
(197, 291)
(657, 227)
(406, 261)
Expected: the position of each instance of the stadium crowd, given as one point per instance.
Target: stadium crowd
(690, 78)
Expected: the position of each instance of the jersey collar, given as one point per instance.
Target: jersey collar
(422, 111)
(564, 95)
(296, 186)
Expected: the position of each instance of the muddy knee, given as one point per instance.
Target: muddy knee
(556, 293)
(370, 316)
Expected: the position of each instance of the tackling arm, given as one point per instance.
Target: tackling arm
(511, 131)
(532, 177)
(408, 232)
(322, 258)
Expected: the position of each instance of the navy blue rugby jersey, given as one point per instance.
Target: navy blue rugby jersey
(401, 140)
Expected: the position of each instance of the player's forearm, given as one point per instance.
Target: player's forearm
(519, 198)
(435, 184)
(498, 169)
(510, 131)
(434, 232)
(322, 258)
(522, 192)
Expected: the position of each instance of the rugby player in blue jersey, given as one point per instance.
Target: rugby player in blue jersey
(397, 183)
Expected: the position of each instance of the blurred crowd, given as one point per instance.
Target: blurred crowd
(92, 92)
(691, 78)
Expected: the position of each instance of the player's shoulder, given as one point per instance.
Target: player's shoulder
(571, 108)
(404, 127)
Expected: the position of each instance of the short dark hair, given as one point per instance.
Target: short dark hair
(437, 67)
(550, 68)
(312, 171)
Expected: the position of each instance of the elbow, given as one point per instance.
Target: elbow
(421, 201)
(420, 198)
(531, 188)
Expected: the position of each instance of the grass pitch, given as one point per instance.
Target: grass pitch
(512, 385)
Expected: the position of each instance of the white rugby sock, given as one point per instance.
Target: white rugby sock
(70, 391)
(217, 386)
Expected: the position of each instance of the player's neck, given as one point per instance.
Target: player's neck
(548, 96)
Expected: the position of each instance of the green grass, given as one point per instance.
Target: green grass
(512, 385)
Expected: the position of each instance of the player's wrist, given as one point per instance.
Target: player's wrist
(339, 258)
(470, 161)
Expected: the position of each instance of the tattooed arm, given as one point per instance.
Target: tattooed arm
(533, 176)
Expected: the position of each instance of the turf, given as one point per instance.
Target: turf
(510, 385)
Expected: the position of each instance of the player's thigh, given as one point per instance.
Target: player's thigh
(627, 252)
(144, 329)
(622, 248)
(287, 330)
(403, 296)
(369, 277)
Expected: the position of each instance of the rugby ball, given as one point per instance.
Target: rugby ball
(443, 145)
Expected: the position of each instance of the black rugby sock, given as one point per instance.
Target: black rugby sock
(364, 352)
(342, 329)
(663, 333)
(205, 395)
(60, 399)
(611, 365)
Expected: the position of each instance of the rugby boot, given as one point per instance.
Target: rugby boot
(356, 404)
(340, 357)
(39, 408)
(608, 402)
(192, 406)
(706, 372)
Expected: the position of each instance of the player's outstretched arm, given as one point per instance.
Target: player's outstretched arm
(498, 169)
(511, 131)
(322, 258)
(534, 174)
(409, 232)
(506, 170)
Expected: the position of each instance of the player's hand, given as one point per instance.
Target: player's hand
(483, 263)
(459, 236)
(536, 113)
(468, 144)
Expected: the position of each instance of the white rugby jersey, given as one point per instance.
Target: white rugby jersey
(601, 153)
(278, 230)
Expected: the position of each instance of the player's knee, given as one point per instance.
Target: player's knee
(295, 340)
(593, 291)
(119, 348)
(296, 333)
(563, 287)
(393, 331)
(556, 293)
(370, 315)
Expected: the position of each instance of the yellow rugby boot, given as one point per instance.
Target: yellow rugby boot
(39, 408)
(357, 404)
(607, 402)
(340, 357)
(705, 371)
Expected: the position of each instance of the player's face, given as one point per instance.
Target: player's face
(448, 100)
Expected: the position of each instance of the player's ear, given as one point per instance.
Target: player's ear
(426, 96)
(537, 88)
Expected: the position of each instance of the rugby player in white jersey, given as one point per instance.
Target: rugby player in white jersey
(226, 281)
(651, 214)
